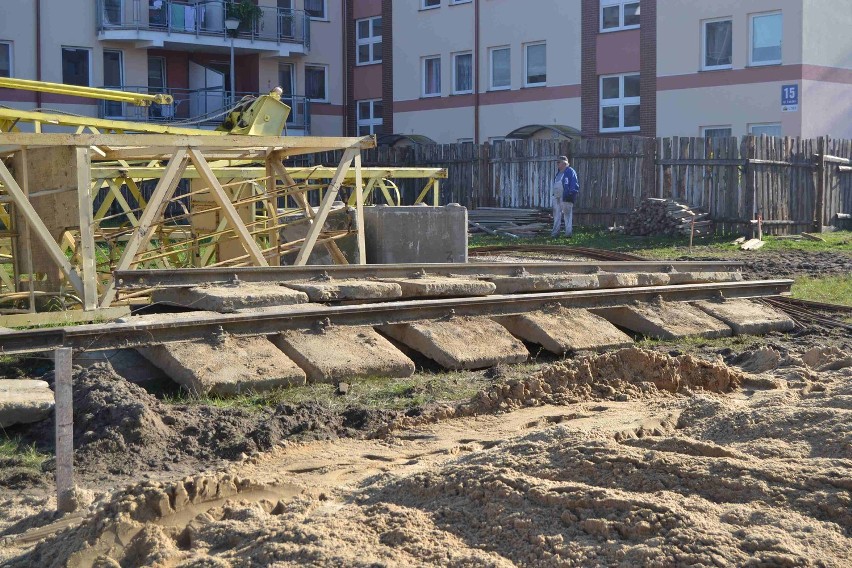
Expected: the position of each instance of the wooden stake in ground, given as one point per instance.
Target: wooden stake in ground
(64, 413)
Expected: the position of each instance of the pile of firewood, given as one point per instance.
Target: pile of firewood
(656, 216)
(508, 222)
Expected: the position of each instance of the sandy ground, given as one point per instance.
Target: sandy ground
(629, 458)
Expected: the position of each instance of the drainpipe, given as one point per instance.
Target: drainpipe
(345, 67)
(476, 72)
(38, 49)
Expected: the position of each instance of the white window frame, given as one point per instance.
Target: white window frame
(703, 130)
(371, 121)
(456, 90)
(324, 17)
(11, 58)
(704, 66)
(752, 126)
(424, 6)
(620, 102)
(491, 86)
(423, 61)
(371, 41)
(325, 71)
(526, 63)
(751, 17)
(107, 104)
(620, 4)
(457, 2)
(88, 50)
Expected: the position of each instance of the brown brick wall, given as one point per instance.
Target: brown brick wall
(588, 69)
(387, 66)
(349, 110)
(648, 68)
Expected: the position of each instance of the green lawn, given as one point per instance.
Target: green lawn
(831, 289)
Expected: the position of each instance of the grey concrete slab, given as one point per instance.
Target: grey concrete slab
(632, 279)
(334, 290)
(543, 283)
(226, 365)
(460, 343)
(336, 354)
(127, 363)
(665, 320)
(442, 287)
(746, 317)
(225, 299)
(564, 330)
(397, 235)
(698, 277)
(23, 401)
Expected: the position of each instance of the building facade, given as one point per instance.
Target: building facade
(455, 70)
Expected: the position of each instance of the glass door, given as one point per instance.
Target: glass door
(113, 79)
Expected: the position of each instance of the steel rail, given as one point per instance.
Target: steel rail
(598, 254)
(148, 278)
(188, 326)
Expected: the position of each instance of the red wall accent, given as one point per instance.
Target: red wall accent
(618, 52)
(367, 82)
(366, 9)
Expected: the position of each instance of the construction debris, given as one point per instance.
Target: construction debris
(752, 244)
(514, 223)
(656, 216)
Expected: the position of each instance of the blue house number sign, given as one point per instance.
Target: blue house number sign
(789, 98)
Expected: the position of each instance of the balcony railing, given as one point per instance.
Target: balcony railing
(198, 107)
(203, 18)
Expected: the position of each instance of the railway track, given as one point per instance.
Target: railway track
(593, 253)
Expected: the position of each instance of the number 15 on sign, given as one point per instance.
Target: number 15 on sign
(789, 98)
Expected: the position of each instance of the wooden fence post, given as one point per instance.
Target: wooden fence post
(819, 206)
(750, 201)
(64, 414)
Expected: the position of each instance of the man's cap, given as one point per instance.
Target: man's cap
(562, 159)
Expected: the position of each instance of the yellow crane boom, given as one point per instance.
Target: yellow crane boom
(138, 99)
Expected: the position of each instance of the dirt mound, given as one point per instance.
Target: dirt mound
(120, 429)
(788, 263)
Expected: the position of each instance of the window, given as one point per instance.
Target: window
(766, 39)
(620, 103)
(765, 129)
(453, 2)
(716, 131)
(287, 78)
(619, 15)
(535, 64)
(462, 73)
(501, 75)
(5, 59)
(113, 79)
(431, 76)
(369, 39)
(717, 48)
(112, 12)
(76, 66)
(369, 117)
(464, 141)
(316, 83)
(429, 4)
(316, 9)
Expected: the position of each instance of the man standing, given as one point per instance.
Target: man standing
(564, 191)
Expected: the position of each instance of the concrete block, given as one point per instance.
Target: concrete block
(565, 330)
(226, 365)
(23, 401)
(334, 290)
(544, 283)
(632, 279)
(460, 343)
(748, 318)
(665, 320)
(127, 363)
(336, 354)
(225, 299)
(698, 277)
(418, 234)
(437, 287)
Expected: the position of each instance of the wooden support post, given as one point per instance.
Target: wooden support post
(64, 415)
(154, 210)
(747, 151)
(228, 210)
(436, 192)
(272, 208)
(325, 207)
(819, 205)
(359, 210)
(34, 221)
(28, 251)
(87, 248)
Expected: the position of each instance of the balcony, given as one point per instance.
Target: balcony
(187, 26)
(200, 108)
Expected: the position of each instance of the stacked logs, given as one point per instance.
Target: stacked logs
(656, 216)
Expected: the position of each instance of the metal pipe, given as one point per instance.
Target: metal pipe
(476, 64)
(87, 92)
(192, 326)
(233, 81)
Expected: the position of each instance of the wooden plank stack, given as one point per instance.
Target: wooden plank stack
(656, 216)
(509, 221)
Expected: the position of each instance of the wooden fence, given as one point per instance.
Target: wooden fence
(785, 181)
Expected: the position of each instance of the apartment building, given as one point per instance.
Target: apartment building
(494, 69)
(180, 47)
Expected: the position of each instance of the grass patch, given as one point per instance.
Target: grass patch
(830, 289)
(673, 247)
(21, 454)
